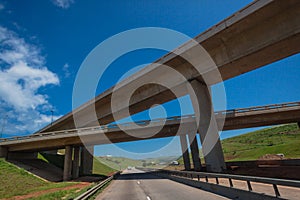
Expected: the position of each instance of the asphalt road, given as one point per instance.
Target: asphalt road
(134, 184)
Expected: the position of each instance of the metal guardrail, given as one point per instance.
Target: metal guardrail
(96, 188)
(248, 179)
(258, 108)
(146, 122)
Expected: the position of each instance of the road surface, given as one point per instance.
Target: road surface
(135, 184)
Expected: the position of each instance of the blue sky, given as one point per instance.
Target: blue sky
(43, 43)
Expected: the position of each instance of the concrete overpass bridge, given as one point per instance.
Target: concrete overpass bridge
(274, 114)
(263, 32)
(173, 126)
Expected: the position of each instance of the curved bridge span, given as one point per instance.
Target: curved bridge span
(234, 119)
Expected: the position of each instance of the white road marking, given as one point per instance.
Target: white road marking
(148, 198)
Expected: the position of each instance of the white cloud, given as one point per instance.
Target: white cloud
(63, 3)
(22, 74)
(1, 6)
(66, 70)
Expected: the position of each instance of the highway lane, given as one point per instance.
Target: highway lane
(135, 184)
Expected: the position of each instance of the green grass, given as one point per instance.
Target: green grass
(63, 194)
(102, 169)
(15, 181)
(251, 146)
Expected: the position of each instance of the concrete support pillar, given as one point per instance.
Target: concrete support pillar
(87, 158)
(76, 160)
(195, 152)
(3, 152)
(208, 128)
(185, 152)
(67, 164)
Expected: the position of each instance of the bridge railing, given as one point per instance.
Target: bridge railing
(258, 108)
(197, 176)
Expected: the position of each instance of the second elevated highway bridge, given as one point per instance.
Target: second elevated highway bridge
(234, 119)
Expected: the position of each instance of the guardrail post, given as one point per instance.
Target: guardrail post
(230, 182)
(217, 180)
(249, 186)
(276, 190)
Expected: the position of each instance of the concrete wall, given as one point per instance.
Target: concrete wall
(21, 155)
(3, 152)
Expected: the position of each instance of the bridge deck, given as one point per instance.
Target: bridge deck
(112, 133)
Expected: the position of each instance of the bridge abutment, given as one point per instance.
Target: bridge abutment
(87, 158)
(185, 152)
(3, 152)
(195, 152)
(21, 155)
(208, 129)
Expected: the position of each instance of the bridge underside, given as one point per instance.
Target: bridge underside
(171, 128)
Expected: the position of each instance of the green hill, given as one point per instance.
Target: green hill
(15, 181)
(119, 163)
(251, 146)
(102, 169)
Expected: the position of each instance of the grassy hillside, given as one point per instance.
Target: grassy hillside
(15, 181)
(251, 146)
(119, 163)
(102, 169)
